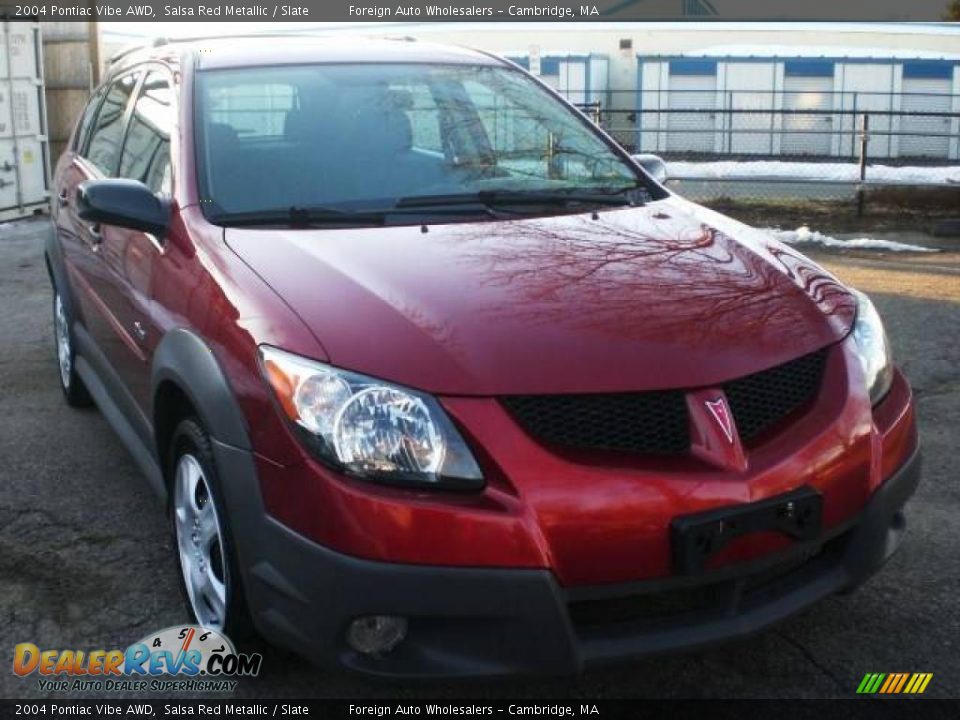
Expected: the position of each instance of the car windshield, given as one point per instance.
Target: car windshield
(339, 140)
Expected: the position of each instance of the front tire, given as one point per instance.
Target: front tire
(73, 388)
(209, 572)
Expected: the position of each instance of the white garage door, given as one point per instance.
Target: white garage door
(573, 81)
(925, 95)
(692, 131)
(807, 134)
(749, 86)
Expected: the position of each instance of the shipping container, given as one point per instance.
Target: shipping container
(24, 150)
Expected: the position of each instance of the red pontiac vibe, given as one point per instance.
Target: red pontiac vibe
(437, 380)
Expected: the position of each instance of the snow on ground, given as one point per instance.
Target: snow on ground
(804, 171)
(805, 236)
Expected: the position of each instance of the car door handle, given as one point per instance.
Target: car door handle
(63, 199)
(95, 237)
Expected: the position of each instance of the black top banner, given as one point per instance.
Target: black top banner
(547, 709)
(481, 10)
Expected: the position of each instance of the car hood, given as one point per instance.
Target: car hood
(665, 295)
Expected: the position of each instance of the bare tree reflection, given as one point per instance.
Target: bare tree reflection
(649, 274)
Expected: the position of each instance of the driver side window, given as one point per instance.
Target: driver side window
(146, 150)
(104, 146)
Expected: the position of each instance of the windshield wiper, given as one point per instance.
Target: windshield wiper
(304, 217)
(288, 216)
(515, 197)
(423, 205)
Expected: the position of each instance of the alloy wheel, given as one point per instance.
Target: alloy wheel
(200, 543)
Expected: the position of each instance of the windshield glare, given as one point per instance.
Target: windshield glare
(360, 137)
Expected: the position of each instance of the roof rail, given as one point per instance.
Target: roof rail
(163, 41)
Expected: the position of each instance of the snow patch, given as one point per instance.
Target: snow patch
(805, 236)
(805, 171)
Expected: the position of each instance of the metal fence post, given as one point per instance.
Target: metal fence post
(853, 124)
(864, 142)
(729, 132)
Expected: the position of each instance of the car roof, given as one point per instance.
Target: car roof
(252, 51)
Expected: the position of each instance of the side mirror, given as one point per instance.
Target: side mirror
(654, 165)
(124, 203)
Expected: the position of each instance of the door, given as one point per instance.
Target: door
(927, 95)
(692, 88)
(130, 256)
(807, 134)
(71, 170)
(95, 158)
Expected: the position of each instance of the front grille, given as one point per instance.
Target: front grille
(646, 423)
(761, 400)
(657, 423)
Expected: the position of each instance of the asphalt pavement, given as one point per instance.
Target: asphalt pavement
(86, 559)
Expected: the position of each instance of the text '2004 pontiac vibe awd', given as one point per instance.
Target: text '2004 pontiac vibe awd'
(437, 380)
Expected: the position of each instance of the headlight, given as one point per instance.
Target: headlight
(370, 428)
(873, 348)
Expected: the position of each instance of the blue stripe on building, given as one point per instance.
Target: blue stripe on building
(808, 68)
(693, 67)
(931, 69)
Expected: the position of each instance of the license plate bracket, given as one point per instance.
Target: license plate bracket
(696, 538)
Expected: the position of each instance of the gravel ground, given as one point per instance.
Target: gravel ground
(86, 559)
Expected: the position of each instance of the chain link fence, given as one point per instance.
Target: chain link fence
(779, 146)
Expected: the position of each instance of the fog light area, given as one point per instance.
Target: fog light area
(376, 634)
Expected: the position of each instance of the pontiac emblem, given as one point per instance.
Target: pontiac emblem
(721, 413)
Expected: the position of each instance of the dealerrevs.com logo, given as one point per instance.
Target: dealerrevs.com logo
(179, 658)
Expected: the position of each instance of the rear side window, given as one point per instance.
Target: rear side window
(79, 140)
(104, 147)
(146, 151)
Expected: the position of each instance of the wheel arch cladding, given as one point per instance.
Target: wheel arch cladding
(185, 362)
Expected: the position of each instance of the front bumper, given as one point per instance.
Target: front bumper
(491, 621)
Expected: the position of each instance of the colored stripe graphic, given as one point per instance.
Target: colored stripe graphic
(894, 683)
(891, 680)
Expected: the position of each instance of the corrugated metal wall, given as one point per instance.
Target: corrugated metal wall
(24, 155)
(71, 58)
